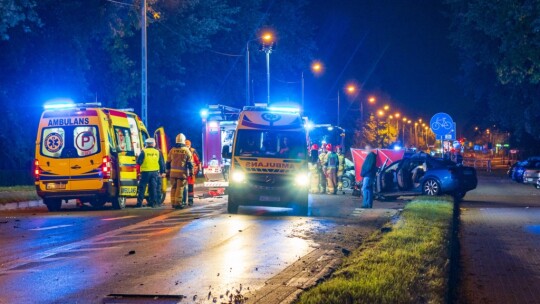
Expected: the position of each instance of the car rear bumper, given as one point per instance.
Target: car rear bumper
(107, 190)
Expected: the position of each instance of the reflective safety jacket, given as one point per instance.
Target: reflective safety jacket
(332, 160)
(150, 160)
(341, 165)
(180, 160)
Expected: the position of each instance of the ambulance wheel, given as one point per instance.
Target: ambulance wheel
(119, 202)
(232, 206)
(97, 203)
(163, 196)
(53, 204)
(301, 208)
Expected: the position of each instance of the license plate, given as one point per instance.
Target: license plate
(264, 198)
(54, 186)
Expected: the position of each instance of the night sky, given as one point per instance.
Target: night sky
(403, 56)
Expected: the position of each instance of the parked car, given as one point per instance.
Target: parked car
(517, 170)
(531, 174)
(424, 174)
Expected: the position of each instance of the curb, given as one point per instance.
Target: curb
(454, 256)
(21, 205)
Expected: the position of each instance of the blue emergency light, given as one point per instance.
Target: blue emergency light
(204, 113)
(292, 110)
(59, 103)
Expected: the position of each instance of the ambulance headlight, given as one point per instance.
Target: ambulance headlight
(238, 176)
(301, 179)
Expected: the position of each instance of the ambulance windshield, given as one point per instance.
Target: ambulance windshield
(271, 144)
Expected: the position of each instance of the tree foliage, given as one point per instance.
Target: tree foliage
(499, 43)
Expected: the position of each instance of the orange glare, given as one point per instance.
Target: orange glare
(409, 121)
(386, 107)
(381, 113)
(397, 115)
(372, 99)
(316, 67)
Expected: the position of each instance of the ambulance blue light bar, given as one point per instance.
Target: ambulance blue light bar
(291, 110)
(59, 104)
(204, 113)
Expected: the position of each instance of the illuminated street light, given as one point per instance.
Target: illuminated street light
(372, 99)
(404, 119)
(317, 67)
(380, 113)
(390, 117)
(386, 107)
(420, 120)
(409, 121)
(397, 115)
(267, 43)
(351, 89)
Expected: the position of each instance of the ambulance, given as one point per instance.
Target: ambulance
(269, 160)
(87, 152)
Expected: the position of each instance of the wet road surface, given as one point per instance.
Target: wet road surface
(200, 254)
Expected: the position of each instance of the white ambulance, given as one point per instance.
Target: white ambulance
(269, 160)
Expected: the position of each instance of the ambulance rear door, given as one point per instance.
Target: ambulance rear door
(125, 153)
(162, 145)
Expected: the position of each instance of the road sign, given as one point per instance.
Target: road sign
(441, 124)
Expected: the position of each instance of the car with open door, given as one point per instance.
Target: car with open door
(423, 174)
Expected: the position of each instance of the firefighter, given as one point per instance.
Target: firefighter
(152, 167)
(341, 167)
(321, 166)
(192, 177)
(179, 164)
(314, 169)
(332, 161)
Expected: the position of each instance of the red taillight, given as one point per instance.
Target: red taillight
(37, 171)
(106, 167)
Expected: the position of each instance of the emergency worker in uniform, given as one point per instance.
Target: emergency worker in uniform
(152, 168)
(322, 170)
(192, 177)
(313, 166)
(341, 167)
(179, 163)
(332, 161)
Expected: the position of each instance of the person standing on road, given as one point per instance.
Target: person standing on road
(341, 167)
(369, 169)
(331, 164)
(179, 163)
(193, 174)
(152, 168)
(322, 170)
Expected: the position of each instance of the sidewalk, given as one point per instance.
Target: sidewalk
(500, 244)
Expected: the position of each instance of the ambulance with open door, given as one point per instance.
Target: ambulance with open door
(87, 152)
(269, 160)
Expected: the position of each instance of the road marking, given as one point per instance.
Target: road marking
(118, 218)
(49, 228)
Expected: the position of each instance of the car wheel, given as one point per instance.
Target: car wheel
(119, 202)
(346, 182)
(53, 204)
(431, 187)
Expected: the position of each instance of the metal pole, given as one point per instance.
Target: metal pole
(403, 135)
(303, 88)
(248, 100)
(144, 84)
(268, 75)
(338, 111)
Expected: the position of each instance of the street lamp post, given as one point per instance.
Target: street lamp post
(248, 99)
(144, 72)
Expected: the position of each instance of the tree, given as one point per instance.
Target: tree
(499, 41)
(17, 12)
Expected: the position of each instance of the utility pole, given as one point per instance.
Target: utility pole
(144, 83)
(338, 105)
(303, 91)
(268, 51)
(248, 99)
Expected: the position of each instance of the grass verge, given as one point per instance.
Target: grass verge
(16, 194)
(409, 264)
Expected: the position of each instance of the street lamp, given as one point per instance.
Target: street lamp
(144, 66)
(317, 69)
(372, 99)
(351, 89)
(267, 44)
(386, 107)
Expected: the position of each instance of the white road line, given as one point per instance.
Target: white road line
(118, 218)
(49, 228)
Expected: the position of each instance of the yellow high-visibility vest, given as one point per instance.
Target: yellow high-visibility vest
(151, 160)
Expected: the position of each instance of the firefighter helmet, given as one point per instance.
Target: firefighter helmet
(150, 142)
(180, 139)
(314, 147)
(329, 147)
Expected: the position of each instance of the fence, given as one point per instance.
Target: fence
(478, 163)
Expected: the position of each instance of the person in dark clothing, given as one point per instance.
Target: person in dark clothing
(152, 166)
(369, 169)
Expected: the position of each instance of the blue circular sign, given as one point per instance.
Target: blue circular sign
(441, 124)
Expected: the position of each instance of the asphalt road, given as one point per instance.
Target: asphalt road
(198, 255)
